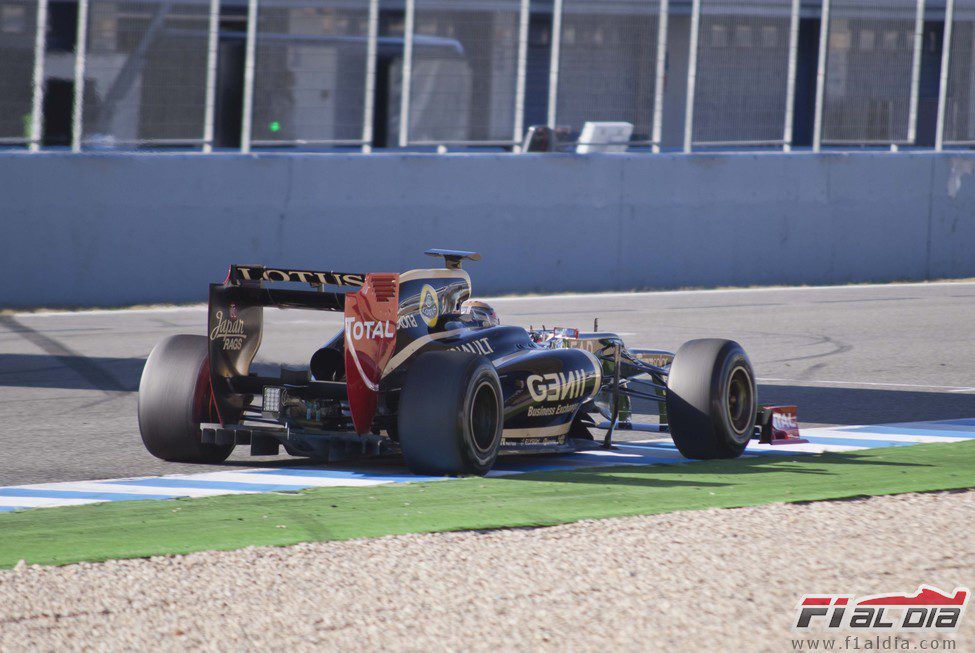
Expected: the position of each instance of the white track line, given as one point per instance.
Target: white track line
(854, 384)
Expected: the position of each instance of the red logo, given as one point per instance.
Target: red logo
(927, 609)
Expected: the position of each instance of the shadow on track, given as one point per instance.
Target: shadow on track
(848, 406)
(70, 371)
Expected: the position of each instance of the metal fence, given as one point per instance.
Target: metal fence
(312, 73)
(463, 73)
(872, 59)
(687, 74)
(19, 34)
(607, 64)
(743, 58)
(146, 73)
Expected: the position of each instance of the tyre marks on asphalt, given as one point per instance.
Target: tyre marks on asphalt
(96, 376)
(387, 471)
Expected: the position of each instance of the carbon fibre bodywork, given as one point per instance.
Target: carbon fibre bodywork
(346, 401)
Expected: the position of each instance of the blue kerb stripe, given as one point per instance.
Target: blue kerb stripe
(81, 494)
(969, 421)
(853, 442)
(208, 485)
(340, 473)
(644, 460)
(903, 430)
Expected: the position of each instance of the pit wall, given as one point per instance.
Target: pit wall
(117, 229)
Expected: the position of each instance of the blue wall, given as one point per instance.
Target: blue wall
(112, 229)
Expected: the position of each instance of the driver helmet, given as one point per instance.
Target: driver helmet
(481, 311)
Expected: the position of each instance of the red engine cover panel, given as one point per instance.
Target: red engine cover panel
(370, 338)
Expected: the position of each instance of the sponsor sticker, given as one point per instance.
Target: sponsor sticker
(230, 332)
(429, 306)
(557, 386)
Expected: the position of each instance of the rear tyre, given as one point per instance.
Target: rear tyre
(175, 397)
(450, 414)
(711, 399)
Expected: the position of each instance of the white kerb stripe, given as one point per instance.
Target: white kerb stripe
(38, 502)
(880, 436)
(118, 488)
(282, 479)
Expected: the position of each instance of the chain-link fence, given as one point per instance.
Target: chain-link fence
(146, 71)
(959, 112)
(605, 64)
(744, 72)
(18, 47)
(685, 74)
(872, 63)
(311, 72)
(463, 72)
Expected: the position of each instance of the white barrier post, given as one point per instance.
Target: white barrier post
(939, 141)
(247, 120)
(553, 66)
(406, 85)
(821, 76)
(37, 104)
(660, 74)
(369, 104)
(211, 82)
(790, 87)
(691, 76)
(81, 51)
(520, 80)
(915, 72)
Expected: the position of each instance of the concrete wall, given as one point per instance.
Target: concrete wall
(106, 229)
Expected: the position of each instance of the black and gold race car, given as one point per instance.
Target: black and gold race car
(422, 369)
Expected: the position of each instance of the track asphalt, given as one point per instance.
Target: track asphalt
(848, 356)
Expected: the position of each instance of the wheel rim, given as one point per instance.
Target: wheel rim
(484, 417)
(740, 402)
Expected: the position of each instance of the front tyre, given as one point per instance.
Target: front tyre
(175, 397)
(711, 399)
(450, 414)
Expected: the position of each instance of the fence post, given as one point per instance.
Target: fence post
(407, 85)
(81, 51)
(37, 104)
(790, 86)
(520, 80)
(656, 135)
(246, 123)
(553, 67)
(915, 72)
(369, 103)
(691, 76)
(821, 76)
(211, 81)
(939, 139)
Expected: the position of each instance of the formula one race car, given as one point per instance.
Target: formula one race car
(420, 368)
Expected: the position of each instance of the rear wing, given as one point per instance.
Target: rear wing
(243, 273)
(235, 326)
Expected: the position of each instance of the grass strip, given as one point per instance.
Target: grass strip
(144, 528)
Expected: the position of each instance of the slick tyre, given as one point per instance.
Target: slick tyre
(450, 414)
(711, 399)
(175, 396)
